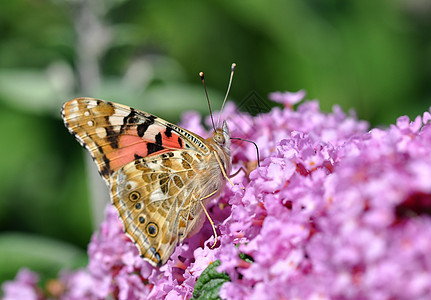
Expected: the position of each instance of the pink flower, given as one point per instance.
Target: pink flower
(23, 287)
(335, 211)
(288, 99)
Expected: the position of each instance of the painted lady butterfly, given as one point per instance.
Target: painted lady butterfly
(160, 175)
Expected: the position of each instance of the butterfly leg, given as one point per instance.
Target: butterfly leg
(208, 216)
(223, 170)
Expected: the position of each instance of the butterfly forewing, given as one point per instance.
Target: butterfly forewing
(157, 172)
(116, 134)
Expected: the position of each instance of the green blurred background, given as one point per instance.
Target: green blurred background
(373, 56)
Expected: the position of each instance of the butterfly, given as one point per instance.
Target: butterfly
(160, 175)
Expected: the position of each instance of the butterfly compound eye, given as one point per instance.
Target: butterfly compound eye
(219, 138)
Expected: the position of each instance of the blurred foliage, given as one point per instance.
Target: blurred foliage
(37, 253)
(373, 56)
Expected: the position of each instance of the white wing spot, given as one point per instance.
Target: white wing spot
(101, 132)
(122, 113)
(80, 140)
(90, 123)
(153, 165)
(86, 113)
(116, 120)
(91, 104)
(130, 185)
(74, 108)
(72, 115)
(157, 195)
(122, 203)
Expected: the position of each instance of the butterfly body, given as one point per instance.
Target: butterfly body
(157, 172)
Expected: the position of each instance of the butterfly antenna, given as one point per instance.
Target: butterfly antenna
(227, 92)
(201, 75)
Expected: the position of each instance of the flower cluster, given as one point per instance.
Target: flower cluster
(334, 210)
(23, 287)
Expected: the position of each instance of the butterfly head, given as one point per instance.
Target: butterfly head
(220, 142)
(221, 136)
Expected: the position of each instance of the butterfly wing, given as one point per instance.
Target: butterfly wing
(157, 199)
(116, 134)
(150, 166)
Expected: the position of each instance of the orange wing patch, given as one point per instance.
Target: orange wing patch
(116, 134)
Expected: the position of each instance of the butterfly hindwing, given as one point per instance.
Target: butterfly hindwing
(156, 198)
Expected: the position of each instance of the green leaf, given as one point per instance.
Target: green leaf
(209, 283)
(246, 257)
